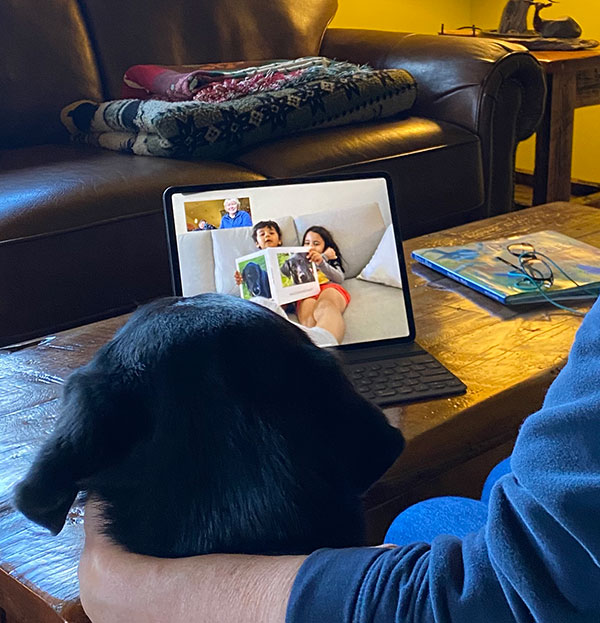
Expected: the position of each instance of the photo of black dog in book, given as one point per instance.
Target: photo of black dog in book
(298, 268)
(256, 280)
(191, 431)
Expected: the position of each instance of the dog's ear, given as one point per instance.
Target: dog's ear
(97, 425)
(369, 443)
(285, 268)
(365, 443)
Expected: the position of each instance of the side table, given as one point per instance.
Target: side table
(573, 82)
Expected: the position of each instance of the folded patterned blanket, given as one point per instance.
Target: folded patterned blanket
(185, 82)
(329, 96)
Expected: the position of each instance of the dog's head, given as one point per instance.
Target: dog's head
(256, 280)
(297, 268)
(191, 401)
(303, 268)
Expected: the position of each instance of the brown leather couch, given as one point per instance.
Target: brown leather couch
(81, 229)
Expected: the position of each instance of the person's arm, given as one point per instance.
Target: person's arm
(537, 557)
(119, 587)
(333, 273)
(535, 560)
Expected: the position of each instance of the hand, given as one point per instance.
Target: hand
(330, 254)
(314, 256)
(119, 587)
(238, 277)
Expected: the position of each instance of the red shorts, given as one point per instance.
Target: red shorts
(336, 286)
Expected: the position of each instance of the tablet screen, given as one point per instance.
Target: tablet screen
(324, 253)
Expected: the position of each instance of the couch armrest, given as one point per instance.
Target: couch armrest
(458, 79)
(495, 89)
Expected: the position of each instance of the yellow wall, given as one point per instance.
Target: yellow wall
(426, 17)
(586, 138)
(404, 16)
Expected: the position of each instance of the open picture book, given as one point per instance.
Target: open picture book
(551, 266)
(283, 274)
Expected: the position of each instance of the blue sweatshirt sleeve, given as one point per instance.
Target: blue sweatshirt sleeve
(246, 220)
(536, 559)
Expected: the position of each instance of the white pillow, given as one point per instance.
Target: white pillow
(383, 266)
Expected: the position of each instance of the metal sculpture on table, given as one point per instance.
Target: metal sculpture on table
(562, 28)
(514, 17)
(562, 33)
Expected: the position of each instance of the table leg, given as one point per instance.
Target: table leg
(554, 141)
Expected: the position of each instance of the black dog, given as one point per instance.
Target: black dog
(299, 268)
(256, 280)
(185, 426)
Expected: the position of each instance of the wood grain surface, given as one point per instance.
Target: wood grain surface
(577, 60)
(507, 358)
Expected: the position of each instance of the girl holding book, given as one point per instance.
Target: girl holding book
(325, 309)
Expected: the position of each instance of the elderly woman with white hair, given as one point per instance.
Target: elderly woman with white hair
(234, 217)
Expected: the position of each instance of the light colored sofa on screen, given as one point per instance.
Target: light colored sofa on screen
(207, 261)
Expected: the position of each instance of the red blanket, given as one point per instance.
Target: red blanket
(217, 82)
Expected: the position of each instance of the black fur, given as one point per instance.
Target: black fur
(299, 268)
(256, 280)
(187, 427)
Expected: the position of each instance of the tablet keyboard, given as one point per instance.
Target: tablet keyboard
(404, 379)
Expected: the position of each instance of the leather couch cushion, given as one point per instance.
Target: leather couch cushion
(202, 31)
(82, 234)
(40, 72)
(440, 170)
(49, 188)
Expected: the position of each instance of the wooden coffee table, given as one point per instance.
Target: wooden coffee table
(507, 358)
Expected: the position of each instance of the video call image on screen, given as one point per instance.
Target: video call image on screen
(217, 252)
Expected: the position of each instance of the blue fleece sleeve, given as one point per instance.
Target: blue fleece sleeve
(245, 220)
(537, 558)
